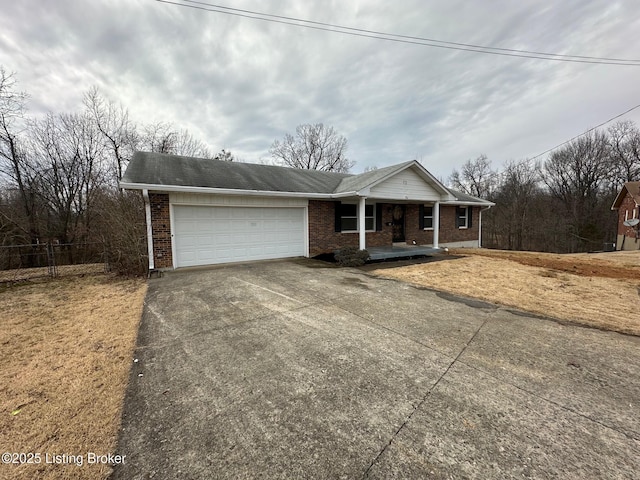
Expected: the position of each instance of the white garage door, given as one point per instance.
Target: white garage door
(208, 235)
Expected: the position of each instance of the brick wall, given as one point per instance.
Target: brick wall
(161, 228)
(627, 205)
(324, 239)
(627, 235)
(448, 230)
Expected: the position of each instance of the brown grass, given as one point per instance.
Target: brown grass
(66, 351)
(599, 291)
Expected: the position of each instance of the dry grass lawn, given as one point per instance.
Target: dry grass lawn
(598, 290)
(66, 348)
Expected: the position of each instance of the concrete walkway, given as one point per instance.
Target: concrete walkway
(298, 370)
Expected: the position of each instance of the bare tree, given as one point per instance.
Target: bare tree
(157, 137)
(70, 155)
(314, 147)
(162, 138)
(15, 163)
(513, 219)
(477, 177)
(119, 132)
(225, 156)
(624, 143)
(186, 144)
(577, 176)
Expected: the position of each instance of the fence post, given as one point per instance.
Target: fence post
(51, 261)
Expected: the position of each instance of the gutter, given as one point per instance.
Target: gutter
(230, 191)
(480, 224)
(471, 204)
(147, 214)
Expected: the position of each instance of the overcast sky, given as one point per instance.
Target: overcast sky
(239, 83)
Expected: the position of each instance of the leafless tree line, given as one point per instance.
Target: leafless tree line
(562, 204)
(59, 174)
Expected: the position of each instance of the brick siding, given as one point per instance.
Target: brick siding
(631, 233)
(324, 239)
(449, 232)
(161, 228)
(627, 205)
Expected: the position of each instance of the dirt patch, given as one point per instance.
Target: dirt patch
(66, 352)
(607, 264)
(541, 284)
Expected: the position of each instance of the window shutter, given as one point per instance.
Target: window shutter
(378, 217)
(469, 217)
(338, 220)
(458, 217)
(421, 217)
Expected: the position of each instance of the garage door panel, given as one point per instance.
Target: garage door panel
(208, 235)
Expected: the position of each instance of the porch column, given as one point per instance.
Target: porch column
(361, 228)
(436, 224)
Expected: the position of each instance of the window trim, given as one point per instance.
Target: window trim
(425, 217)
(466, 218)
(372, 217)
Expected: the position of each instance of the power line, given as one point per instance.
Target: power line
(584, 133)
(358, 32)
(374, 32)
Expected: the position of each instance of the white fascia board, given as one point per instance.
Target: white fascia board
(230, 191)
(396, 198)
(618, 196)
(470, 204)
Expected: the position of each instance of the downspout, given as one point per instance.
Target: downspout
(436, 225)
(147, 214)
(480, 225)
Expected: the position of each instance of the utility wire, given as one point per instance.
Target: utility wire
(584, 133)
(358, 32)
(374, 32)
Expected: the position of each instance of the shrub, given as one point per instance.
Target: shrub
(122, 228)
(351, 257)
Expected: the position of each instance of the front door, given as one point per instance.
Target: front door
(398, 223)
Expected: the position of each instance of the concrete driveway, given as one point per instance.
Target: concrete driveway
(298, 370)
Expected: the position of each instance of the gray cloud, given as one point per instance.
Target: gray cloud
(240, 83)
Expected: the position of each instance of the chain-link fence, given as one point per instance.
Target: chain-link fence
(27, 262)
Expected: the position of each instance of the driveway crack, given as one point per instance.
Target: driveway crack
(424, 399)
(630, 436)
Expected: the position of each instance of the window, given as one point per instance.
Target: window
(462, 219)
(349, 217)
(428, 217)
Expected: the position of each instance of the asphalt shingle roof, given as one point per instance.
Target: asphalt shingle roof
(149, 168)
(162, 169)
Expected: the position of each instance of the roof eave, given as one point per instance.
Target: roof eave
(230, 191)
(461, 202)
(618, 200)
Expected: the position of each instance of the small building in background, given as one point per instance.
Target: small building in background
(627, 203)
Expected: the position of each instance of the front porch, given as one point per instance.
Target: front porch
(401, 251)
